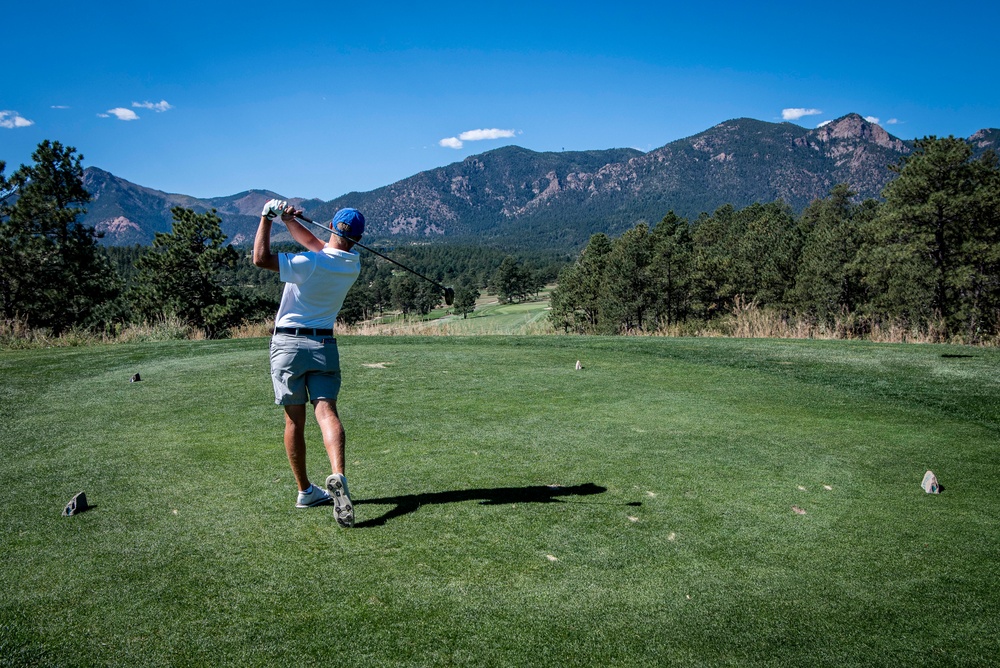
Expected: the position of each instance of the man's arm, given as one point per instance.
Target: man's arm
(299, 232)
(262, 255)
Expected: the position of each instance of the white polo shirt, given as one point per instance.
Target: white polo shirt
(315, 286)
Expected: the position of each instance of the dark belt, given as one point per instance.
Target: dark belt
(303, 331)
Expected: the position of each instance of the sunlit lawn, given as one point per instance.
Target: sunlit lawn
(675, 502)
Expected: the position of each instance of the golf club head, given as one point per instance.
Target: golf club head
(449, 296)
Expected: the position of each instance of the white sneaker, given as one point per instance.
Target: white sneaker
(315, 496)
(343, 509)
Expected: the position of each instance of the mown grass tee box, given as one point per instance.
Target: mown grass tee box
(511, 509)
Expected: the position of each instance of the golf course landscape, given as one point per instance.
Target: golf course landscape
(677, 501)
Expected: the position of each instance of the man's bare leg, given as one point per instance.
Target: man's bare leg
(295, 443)
(334, 438)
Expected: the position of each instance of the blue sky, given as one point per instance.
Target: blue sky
(316, 99)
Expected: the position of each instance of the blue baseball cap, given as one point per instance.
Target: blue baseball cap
(349, 223)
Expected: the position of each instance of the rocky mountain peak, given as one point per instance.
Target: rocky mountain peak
(854, 127)
(987, 138)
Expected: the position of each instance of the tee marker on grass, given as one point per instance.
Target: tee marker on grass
(76, 505)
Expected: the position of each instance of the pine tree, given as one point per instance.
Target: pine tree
(505, 281)
(465, 300)
(182, 274)
(627, 303)
(53, 274)
(671, 269)
(933, 252)
(576, 302)
(827, 283)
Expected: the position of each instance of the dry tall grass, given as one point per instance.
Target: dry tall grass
(253, 330)
(17, 334)
(746, 320)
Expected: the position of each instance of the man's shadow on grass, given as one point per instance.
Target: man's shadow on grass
(409, 503)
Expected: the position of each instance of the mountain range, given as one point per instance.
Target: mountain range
(513, 196)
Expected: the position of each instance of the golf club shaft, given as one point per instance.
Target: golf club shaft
(329, 228)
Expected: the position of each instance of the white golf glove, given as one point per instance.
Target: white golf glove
(273, 208)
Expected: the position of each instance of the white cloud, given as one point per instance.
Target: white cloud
(892, 121)
(795, 113)
(162, 105)
(121, 113)
(12, 119)
(492, 133)
(59, 106)
(476, 135)
(824, 123)
(872, 119)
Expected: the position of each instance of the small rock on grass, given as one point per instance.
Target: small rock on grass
(930, 483)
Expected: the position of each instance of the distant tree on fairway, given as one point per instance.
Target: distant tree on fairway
(513, 282)
(413, 295)
(404, 291)
(627, 297)
(355, 306)
(505, 281)
(564, 313)
(933, 252)
(576, 301)
(52, 272)
(182, 274)
(429, 297)
(465, 300)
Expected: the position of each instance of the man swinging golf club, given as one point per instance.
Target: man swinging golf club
(305, 364)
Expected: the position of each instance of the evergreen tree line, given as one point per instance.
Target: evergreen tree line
(55, 276)
(927, 257)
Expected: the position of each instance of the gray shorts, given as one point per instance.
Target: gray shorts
(304, 368)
